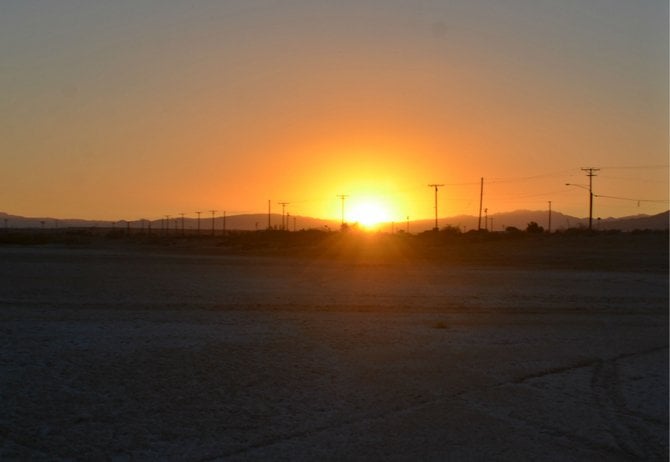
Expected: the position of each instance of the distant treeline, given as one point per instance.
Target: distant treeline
(274, 237)
(571, 249)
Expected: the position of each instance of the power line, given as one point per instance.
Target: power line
(481, 198)
(497, 180)
(283, 209)
(342, 198)
(660, 201)
(213, 220)
(436, 186)
(513, 197)
(527, 178)
(590, 174)
(635, 167)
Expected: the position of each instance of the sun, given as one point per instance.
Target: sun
(369, 213)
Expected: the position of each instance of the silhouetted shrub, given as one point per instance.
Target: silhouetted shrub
(115, 234)
(451, 230)
(533, 227)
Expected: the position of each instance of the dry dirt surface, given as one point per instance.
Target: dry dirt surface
(113, 354)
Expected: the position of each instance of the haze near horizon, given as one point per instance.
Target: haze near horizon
(137, 110)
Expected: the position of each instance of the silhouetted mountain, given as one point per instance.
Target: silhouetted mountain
(520, 219)
(260, 221)
(494, 222)
(499, 221)
(658, 221)
(17, 221)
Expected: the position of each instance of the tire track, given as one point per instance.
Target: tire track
(627, 427)
(632, 441)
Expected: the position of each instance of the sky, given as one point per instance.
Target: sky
(140, 109)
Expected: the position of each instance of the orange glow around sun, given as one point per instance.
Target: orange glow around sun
(369, 212)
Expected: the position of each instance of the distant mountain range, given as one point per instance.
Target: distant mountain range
(233, 222)
(495, 222)
(521, 218)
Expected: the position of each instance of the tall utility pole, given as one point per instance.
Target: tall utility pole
(436, 186)
(481, 198)
(213, 220)
(198, 221)
(590, 174)
(549, 227)
(342, 198)
(283, 219)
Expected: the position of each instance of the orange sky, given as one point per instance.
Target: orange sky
(122, 110)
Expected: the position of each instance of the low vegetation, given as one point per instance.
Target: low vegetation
(571, 248)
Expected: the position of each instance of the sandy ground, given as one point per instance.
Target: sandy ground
(119, 355)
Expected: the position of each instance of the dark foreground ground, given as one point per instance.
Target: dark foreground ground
(124, 353)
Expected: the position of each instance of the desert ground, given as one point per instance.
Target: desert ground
(126, 353)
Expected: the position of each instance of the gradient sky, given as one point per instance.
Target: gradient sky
(138, 109)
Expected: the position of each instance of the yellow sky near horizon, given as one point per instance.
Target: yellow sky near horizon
(131, 111)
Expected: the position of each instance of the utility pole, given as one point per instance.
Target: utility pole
(269, 214)
(549, 227)
(590, 174)
(224, 222)
(486, 219)
(342, 198)
(283, 219)
(481, 198)
(182, 223)
(198, 222)
(436, 186)
(213, 220)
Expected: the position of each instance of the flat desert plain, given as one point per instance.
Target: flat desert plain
(125, 353)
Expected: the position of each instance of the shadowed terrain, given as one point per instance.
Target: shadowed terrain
(349, 348)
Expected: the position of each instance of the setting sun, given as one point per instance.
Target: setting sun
(369, 212)
(221, 106)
